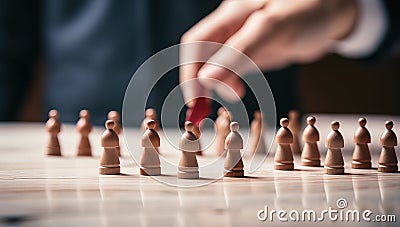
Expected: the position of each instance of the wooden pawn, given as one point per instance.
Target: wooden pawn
(53, 127)
(388, 160)
(284, 156)
(334, 163)
(109, 160)
(361, 158)
(189, 144)
(233, 164)
(84, 127)
(310, 155)
(150, 161)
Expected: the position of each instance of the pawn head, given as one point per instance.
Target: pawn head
(53, 114)
(84, 114)
(284, 122)
(110, 124)
(113, 115)
(151, 113)
(362, 121)
(335, 125)
(189, 126)
(311, 120)
(151, 124)
(234, 126)
(389, 125)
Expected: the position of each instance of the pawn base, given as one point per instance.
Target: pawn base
(313, 163)
(54, 151)
(361, 165)
(234, 173)
(109, 170)
(387, 169)
(188, 175)
(150, 171)
(84, 153)
(333, 171)
(286, 166)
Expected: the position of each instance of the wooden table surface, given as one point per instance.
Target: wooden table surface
(37, 190)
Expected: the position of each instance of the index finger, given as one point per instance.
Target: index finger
(217, 27)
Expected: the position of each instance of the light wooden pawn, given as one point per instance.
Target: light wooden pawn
(150, 161)
(295, 127)
(109, 160)
(310, 155)
(257, 143)
(53, 127)
(284, 138)
(150, 114)
(222, 130)
(84, 128)
(189, 144)
(114, 115)
(334, 163)
(388, 160)
(361, 158)
(233, 164)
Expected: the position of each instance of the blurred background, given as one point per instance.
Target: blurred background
(71, 55)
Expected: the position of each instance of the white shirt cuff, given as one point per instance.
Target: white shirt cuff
(368, 32)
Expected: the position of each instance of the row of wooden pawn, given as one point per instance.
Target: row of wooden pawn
(150, 161)
(83, 126)
(334, 163)
(189, 145)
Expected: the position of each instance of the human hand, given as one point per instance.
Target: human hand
(272, 33)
